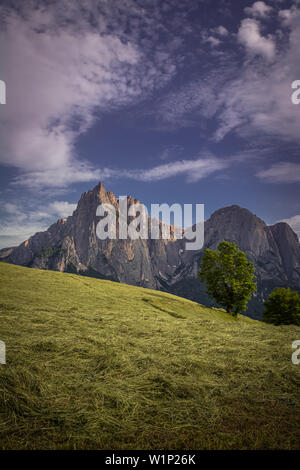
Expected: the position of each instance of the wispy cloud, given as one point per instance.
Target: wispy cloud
(259, 9)
(59, 177)
(248, 95)
(19, 221)
(258, 101)
(194, 103)
(220, 30)
(282, 172)
(55, 81)
(61, 208)
(171, 152)
(249, 35)
(68, 64)
(288, 16)
(76, 61)
(193, 170)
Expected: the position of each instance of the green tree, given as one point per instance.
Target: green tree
(229, 277)
(282, 307)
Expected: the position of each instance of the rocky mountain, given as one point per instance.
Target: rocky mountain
(72, 245)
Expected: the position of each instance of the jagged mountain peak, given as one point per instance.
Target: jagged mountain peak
(99, 195)
(284, 228)
(237, 213)
(72, 245)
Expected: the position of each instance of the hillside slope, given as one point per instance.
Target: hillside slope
(97, 364)
(72, 245)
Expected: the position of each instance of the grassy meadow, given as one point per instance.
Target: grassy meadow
(93, 364)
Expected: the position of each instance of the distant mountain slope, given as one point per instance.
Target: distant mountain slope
(5, 252)
(274, 250)
(72, 245)
(93, 364)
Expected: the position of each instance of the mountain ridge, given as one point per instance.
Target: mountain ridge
(71, 245)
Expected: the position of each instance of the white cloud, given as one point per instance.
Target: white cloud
(61, 208)
(195, 100)
(10, 208)
(249, 36)
(288, 16)
(221, 30)
(21, 221)
(15, 232)
(171, 152)
(60, 70)
(73, 172)
(282, 172)
(214, 42)
(259, 9)
(249, 97)
(194, 170)
(258, 102)
(54, 84)
(214, 36)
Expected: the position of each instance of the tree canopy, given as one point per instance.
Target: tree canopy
(229, 276)
(282, 307)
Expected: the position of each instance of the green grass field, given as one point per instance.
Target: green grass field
(93, 364)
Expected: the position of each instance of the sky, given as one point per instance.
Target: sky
(172, 101)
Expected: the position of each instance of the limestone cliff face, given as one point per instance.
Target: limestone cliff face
(72, 245)
(288, 247)
(274, 250)
(263, 245)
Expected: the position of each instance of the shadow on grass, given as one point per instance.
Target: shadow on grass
(157, 307)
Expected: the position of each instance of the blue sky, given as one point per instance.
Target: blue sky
(168, 101)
